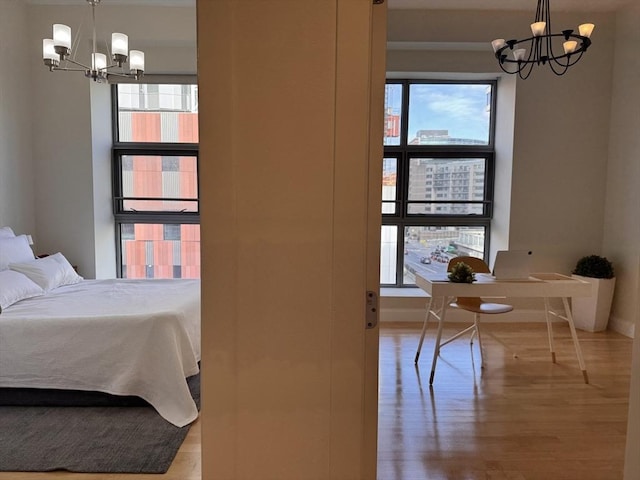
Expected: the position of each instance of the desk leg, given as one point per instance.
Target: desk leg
(574, 335)
(547, 309)
(436, 350)
(424, 329)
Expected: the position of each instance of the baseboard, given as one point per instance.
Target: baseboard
(624, 327)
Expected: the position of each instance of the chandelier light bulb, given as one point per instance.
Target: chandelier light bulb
(136, 62)
(585, 29)
(537, 28)
(99, 62)
(61, 35)
(48, 50)
(518, 54)
(570, 46)
(497, 44)
(119, 44)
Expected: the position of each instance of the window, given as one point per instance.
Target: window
(155, 187)
(437, 179)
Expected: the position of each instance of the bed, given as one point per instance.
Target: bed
(123, 337)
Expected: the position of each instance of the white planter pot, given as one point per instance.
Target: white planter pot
(592, 313)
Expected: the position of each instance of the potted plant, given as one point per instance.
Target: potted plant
(592, 313)
(462, 273)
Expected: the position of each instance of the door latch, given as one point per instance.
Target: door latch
(371, 314)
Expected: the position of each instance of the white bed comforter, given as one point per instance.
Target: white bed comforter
(124, 337)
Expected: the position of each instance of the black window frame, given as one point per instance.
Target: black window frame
(123, 216)
(405, 151)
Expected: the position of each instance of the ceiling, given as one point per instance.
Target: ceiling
(522, 5)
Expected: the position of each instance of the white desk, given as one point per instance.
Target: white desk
(541, 285)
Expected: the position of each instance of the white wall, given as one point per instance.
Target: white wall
(17, 204)
(71, 130)
(621, 226)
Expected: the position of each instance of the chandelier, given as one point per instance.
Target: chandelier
(519, 56)
(58, 49)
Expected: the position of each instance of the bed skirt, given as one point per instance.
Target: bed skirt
(40, 397)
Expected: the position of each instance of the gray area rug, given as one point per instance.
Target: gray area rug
(89, 439)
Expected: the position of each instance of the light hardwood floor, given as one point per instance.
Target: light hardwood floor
(519, 418)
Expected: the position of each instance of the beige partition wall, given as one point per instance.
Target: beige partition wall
(290, 189)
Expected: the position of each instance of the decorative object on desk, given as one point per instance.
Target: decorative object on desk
(592, 313)
(461, 273)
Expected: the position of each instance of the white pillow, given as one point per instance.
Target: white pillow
(50, 272)
(6, 232)
(15, 250)
(14, 287)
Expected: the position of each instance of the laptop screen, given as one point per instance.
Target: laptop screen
(512, 264)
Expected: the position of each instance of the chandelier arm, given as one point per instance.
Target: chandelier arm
(84, 67)
(501, 65)
(571, 59)
(67, 69)
(532, 51)
(538, 57)
(525, 71)
(550, 55)
(121, 74)
(564, 66)
(539, 11)
(547, 17)
(576, 58)
(558, 68)
(113, 65)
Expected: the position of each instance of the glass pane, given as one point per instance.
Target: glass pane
(429, 249)
(446, 179)
(157, 113)
(389, 176)
(392, 113)
(388, 254)
(172, 180)
(147, 253)
(449, 114)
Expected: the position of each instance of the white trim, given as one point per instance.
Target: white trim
(144, 3)
(441, 46)
(622, 326)
(158, 78)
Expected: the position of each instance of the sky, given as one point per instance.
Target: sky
(459, 108)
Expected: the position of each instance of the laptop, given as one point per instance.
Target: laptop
(512, 265)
